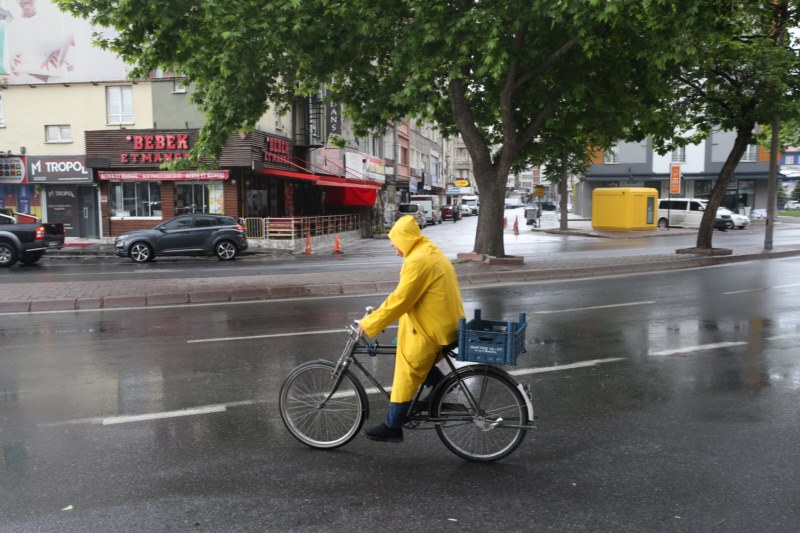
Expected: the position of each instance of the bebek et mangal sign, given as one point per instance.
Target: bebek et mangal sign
(156, 148)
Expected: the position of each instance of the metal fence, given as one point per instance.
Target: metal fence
(300, 227)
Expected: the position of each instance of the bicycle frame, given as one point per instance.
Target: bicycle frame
(358, 345)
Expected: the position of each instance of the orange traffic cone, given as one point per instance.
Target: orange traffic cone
(337, 245)
(505, 222)
(516, 225)
(308, 244)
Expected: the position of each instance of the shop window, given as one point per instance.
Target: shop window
(2, 112)
(136, 200)
(702, 189)
(198, 198)
(59, 133)
(119, 104)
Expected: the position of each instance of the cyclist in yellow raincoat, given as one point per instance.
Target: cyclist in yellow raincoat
(427, 302)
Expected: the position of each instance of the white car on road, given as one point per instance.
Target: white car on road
(739, 221)
(792, 205)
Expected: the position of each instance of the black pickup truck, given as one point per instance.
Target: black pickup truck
(26, 242)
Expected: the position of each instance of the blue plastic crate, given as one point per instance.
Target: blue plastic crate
(491, 341)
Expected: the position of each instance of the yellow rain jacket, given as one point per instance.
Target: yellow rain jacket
(427, 301)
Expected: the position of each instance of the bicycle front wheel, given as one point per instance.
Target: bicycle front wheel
(314, 421)
(493, 430)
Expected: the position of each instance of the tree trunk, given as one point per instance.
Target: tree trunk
(743, 138)
(562, 191)
(489, 235)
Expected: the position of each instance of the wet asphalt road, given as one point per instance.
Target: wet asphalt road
(667, 402)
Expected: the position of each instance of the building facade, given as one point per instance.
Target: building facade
(638, 165)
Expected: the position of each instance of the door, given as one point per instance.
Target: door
(87, 212)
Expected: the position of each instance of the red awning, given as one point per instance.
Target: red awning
(351, 196)
(323, 180)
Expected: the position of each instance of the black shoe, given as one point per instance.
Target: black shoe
(384, 433)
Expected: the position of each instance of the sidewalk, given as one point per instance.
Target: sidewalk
(99, 294)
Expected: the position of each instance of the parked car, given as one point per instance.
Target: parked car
(414, 209)
(466, 210)
(792, 205)
(723, 222)
(739, 221)
(198, 234)
(448, 212)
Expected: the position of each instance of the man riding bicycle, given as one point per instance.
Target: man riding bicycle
(427, 303)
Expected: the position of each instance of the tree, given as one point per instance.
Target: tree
(494, 71)
(739, 77)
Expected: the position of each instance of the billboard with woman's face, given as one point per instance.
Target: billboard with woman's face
(40, 44)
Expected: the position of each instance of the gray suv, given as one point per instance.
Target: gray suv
(197, 234)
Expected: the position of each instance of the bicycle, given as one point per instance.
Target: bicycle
(479, 411)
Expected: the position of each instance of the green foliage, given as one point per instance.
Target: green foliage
(796, 192)
(520, 80)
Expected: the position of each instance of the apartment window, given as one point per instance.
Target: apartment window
(119, 104)
(612, 155)
(403, 155)
(751, 154)
(2, 112)
(178, 86)
(59, 133)
(135, 200)
(679, 155)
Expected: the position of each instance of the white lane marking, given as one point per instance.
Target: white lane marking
(273, 335)
(166, 414)
(757, 289)
(648, 302)
(761, 289)
(786, 286)
(556, 368)
(699, 348)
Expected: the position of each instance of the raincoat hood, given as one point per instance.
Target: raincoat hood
(405, 234)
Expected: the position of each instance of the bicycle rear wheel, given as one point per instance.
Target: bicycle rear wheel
(486, 434)
(313, 423)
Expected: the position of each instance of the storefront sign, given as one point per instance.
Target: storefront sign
(137, 148)
(277, 150)
(675, 179)
(190, 175)
(365, 167)
(156, 148)
(67, 169)
(328, 160)
(12, 170)
(333, 117)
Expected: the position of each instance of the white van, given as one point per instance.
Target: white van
(472, 202)
(682, 212)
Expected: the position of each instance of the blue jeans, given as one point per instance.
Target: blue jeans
(396, 416)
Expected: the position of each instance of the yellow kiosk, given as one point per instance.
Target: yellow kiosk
(624, 209)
